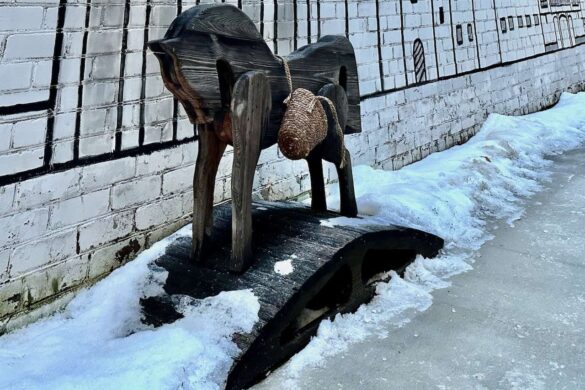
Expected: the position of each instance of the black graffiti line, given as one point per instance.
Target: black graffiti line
(175, 100)
(90, 160)
(275, 27)
(498, 31)
(55, 71)
(380, 60)
(295, 25)
(403, 45)
(453, 37)
(309, 21)
(141, 131)
(435, 38)
(81, 80)
(26, 107)
(347, 18)
(120, 107)
(475, 34)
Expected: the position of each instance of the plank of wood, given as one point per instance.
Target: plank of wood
(250, 109)
(320, 256)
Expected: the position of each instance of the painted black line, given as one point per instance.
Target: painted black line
(453, 36)
(141, 130)
(309, 21)
(541, 25)
(81, 81)
(175, 100)
(53, 88)
(275, 27)
(262, 18)
(435, 38)
(347, 18)
(498, 31)
(28, 107)
(84, 161)
(120, 107)
(403, 45)
(318, 19)
(475, 34)
(379, 35)
(295, 25)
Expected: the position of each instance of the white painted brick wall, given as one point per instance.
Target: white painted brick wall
(81, 220)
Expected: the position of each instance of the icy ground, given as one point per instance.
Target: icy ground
(98, 340)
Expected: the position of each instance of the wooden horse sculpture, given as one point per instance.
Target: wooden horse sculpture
(218, 66)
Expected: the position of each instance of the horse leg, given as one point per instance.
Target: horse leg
(348, 204)
(210, 151)
(334, 151)
(318, 198)
(250, 109)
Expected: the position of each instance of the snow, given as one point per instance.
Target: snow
(284, 267)
(99, 342)
(455, 194)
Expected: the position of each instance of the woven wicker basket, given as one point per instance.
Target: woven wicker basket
(304, 125)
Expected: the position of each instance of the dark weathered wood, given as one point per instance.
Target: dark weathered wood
(206, 58)
(213, 42)
(250, 109)
(320, 256)
(318, 196)
(347, 202)
(211, 149)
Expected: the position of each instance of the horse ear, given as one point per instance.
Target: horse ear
(219, 19)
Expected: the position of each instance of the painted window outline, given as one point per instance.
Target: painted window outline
(459, 34)
(511, 23)
(520, 21)
(470, 32)
(503, 25)
(418, 56)
(528, 21)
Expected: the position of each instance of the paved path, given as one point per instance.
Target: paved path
(516, 321)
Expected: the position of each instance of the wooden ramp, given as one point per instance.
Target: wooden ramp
(334, 271)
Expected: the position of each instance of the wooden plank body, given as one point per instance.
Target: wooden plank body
(217, 64)
(207, 35)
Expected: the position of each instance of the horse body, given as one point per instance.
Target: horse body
(208, 56)
(219, 67)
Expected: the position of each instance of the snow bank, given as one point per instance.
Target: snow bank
(99, 342)
(454, 194)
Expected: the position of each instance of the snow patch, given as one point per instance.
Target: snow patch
(453, 194)
(284, 267)
(99, 342)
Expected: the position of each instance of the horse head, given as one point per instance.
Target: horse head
(195, 57)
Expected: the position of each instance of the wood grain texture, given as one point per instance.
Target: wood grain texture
(218, 66)
(250, 110)
(332, 270)
(210, 151)
(203, 35)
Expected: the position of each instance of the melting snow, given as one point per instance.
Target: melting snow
(99, 342)
(284, 267)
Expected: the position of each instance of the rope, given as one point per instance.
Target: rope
(330, 103)
(287, 73)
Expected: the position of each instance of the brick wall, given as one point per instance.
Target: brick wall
(97, 158)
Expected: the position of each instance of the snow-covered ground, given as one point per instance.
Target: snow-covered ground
(98, 341)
